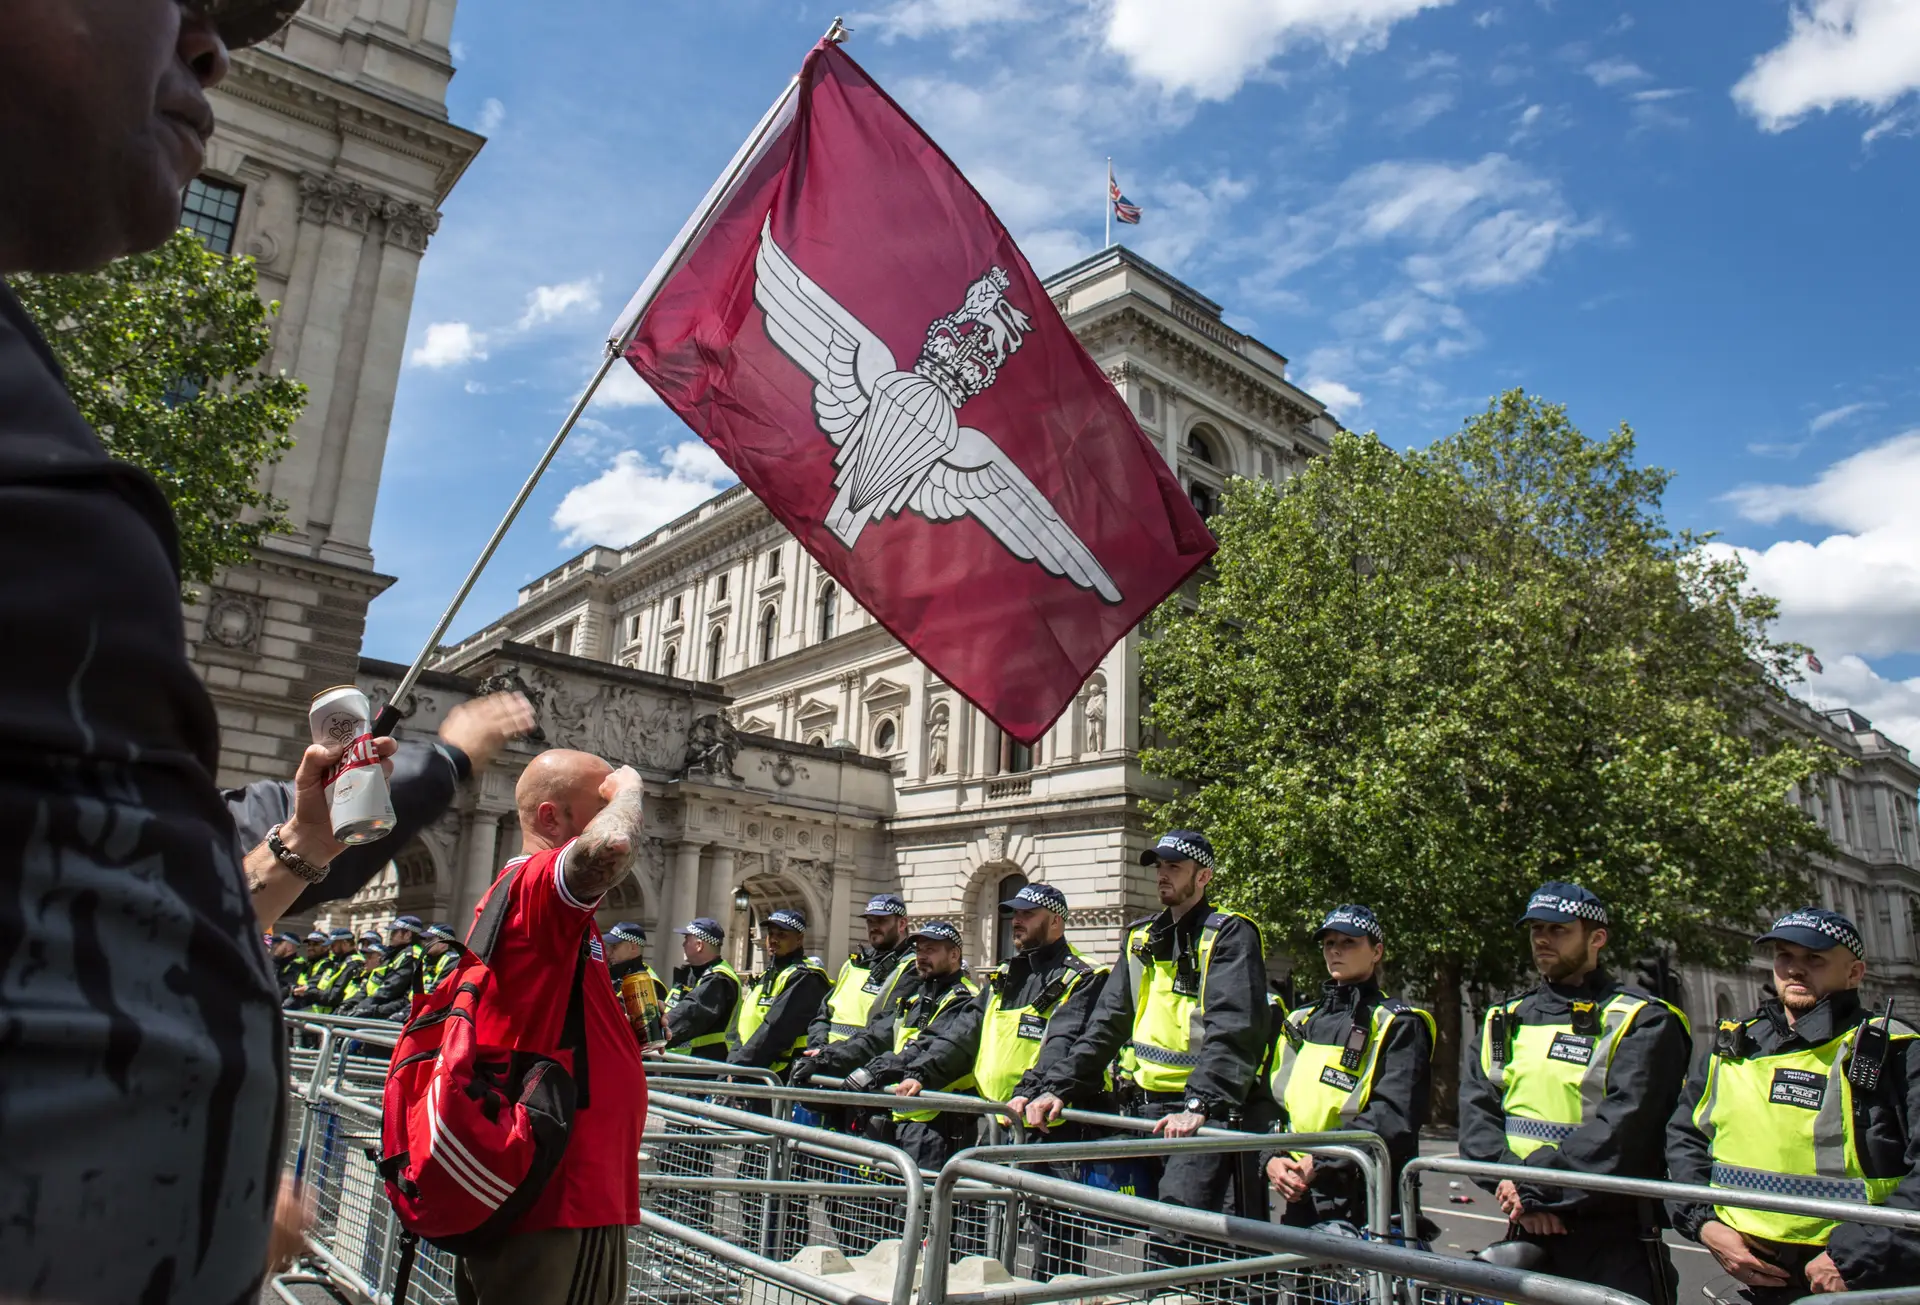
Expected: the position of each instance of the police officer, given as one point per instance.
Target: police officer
(705, 993)
(1580, 1073)
(373, 970)
(1186, 1014)
(1354, 1058)
(288, 964)
(777, 1007)
(334, 979)
(442, 956)
(300, 995)
(626, 945)
(869, 983)
(388, 991)
(941, 999)
(1813, 1094)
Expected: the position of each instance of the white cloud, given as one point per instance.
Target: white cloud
(546, 303)
(1344, 400)
(1856, 590)
(623, 388)
(1658, 94)
(1210, 47)
(492, 114)
(1837, 52)
(1417, 113)
(1848, 681)
(634, 496)
(1613, 72)
(449, 344)
(1834, 416)
(914, 19)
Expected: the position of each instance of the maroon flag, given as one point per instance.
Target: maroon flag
(854, 332)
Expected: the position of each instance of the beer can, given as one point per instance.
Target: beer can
(357, 793)
(643, 1009)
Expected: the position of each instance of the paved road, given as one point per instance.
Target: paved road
(1466, 1228)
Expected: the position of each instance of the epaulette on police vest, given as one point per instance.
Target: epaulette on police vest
(1143, 920)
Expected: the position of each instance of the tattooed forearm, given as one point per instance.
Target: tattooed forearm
(603, 854)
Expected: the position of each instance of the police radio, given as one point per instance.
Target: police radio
(1870, 1052)
(1497, 1036)
(1354, 1053)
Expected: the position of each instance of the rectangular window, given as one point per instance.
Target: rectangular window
(633, 629)
(773, 564)
(720, 588)
(563, 638)
(212, 212)
(673, 608)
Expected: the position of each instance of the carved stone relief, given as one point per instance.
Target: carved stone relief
(233, 620)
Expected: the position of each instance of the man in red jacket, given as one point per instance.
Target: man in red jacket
(579, 823)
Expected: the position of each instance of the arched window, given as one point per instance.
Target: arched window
(816, 740)
(826, 612)
(670, 660)
(885, 735)
(1202, 445)
(769, 632)
(1003, 932)
(716, 649)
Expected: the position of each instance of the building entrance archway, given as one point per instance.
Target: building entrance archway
(764, 894)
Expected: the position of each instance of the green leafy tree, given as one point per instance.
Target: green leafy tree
(1429, 681)
(162, 353)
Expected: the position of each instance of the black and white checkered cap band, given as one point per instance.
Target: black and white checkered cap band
(1179, 849)
(1042, 896)
(1827, 926)
(1364, 923)
(886, 904)
(1592, 911)
(704, 934)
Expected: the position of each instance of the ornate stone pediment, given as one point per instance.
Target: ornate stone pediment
(625, 724)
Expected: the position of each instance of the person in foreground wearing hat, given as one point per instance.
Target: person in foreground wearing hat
(1579, 1073)
(705, 994)
(627, 954)
(1812, 1095)
(1186, 1015)
(873, 981)
(777, 1007)
(1355, 1058)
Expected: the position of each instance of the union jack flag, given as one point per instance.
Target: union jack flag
(1124, 209)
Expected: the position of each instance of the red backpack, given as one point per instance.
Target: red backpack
(471, 1133)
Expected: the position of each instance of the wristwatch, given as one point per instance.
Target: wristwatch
(1196, 1106)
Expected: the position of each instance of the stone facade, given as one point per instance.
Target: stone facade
(730, 817)
(336, 135)
(725, 595)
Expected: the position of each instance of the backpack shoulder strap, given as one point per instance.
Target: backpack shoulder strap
(493, 916)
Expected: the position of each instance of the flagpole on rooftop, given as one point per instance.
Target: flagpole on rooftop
(1108, 197)
(617, 341)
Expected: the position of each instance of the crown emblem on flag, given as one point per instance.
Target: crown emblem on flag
(965, 349)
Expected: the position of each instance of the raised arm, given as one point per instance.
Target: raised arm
(603, 854)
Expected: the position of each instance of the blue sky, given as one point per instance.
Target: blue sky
(1694, 216)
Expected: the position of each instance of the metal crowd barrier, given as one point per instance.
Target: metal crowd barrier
(740, 1205)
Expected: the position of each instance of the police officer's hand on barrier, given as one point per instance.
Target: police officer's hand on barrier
(1290, 1177)
(906, 1087)
(1184, 1124)
(1823, 1275)
(1044, 1109)
(858, 1080)
(1738, 1258)
(804, 1068)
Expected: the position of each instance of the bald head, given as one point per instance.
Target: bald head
(558, 793)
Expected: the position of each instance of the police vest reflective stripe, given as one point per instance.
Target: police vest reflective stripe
(918, 1014)
(752, 1011)
(1554, 1079)
(1011, 1037)
(722, 1034)
(1168, 1024)
(1317, 1090)
(856, 991)
(443, 965)
(1784, 1124)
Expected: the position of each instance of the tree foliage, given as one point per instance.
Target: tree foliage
(1429, 681)
(162, 354)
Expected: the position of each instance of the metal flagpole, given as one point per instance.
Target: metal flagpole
(1109, 199)
(617, 342)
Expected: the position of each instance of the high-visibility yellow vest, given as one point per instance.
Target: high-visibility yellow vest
(1553, 1079)
(916, 1015)
(443, 965)
(1168, 1024)
(681, 990)
(1311, 1081)
(856, 991)
(1011, 1036)
(1784, 1124)
(751, 1013)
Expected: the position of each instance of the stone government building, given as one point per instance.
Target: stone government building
(794, 753)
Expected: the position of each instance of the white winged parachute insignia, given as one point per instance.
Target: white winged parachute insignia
(899, 444)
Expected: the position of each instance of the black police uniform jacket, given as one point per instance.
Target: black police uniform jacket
(1886, 1125)
(711, 997)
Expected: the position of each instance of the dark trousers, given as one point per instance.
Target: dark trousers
(1200, 1180)
(1621, 1254)
(554, 1266)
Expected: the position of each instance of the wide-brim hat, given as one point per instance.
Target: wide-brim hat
(248, 22)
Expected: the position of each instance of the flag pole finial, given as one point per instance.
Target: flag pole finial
(837, 33)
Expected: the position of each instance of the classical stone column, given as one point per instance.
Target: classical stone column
(839, 926)
(684, 896)
(478, 864)
(720, 882)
